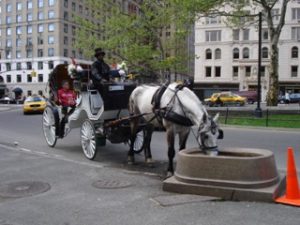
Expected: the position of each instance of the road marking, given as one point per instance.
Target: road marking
(47, 155)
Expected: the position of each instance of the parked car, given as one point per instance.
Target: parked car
(294, 98)
(7, 100)
(251, 96)
(225, 98)
(34, 104)
(282, 99)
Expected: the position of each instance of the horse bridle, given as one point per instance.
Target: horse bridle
(203, 136)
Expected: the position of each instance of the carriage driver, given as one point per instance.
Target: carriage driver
(100, 70)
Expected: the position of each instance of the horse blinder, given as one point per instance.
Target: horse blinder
(221, 134)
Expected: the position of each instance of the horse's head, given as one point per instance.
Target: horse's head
(209, 132)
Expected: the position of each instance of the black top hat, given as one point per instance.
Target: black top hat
(99, 51)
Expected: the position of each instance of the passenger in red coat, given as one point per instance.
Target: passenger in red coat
(67, 99)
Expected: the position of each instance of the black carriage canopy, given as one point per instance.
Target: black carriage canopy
(114, 94)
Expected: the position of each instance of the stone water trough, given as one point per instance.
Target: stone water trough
(241, 174)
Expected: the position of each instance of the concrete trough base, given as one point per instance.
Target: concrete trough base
(236, 174)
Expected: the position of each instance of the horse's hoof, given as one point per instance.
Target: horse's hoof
(169, 174)
(130, 160)
(149, 161)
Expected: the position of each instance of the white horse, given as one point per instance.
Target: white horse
(184, 103)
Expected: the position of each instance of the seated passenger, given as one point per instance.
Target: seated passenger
(67, 99)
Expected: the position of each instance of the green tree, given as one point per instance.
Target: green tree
(139, 37)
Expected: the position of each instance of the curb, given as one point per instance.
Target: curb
(261, 128)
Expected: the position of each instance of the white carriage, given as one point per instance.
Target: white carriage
(100, 117)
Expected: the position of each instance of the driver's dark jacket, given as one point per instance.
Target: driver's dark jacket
(100, 70)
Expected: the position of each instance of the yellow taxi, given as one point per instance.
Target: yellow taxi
(225, 98)
(34, 104)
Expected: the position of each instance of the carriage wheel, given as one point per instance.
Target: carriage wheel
(138, 144)
(49, 126)
(88, 139)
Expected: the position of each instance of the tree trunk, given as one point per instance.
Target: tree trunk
(272, 96)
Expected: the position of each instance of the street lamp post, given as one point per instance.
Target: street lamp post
(258, 111)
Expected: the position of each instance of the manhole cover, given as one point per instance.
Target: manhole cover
(111, 184)
(23, 189)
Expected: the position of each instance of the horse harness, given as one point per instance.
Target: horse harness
(168, 112)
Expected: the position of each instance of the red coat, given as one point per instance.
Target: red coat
(66, 97)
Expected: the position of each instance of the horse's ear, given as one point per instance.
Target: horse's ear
(215, 119)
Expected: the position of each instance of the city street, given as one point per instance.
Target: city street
(72, 199)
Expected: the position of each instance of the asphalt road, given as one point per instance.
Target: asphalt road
(72, 200)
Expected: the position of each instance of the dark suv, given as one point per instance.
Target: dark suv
(294, 98)
(251, 96)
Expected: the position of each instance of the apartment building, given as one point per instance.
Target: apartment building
(227, 58)
(35, 36)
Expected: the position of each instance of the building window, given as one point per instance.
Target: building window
(19, 66)
(236, 35)
(208, 54)
(66, 28)
(275, 14)
(40, 53)
(29, 17)
(208, 71)
(8, 7)
(51, 14)
(8, 78)
(265, 53)
(218, 53)
(8, 54)
(40, 28)
(65, 52)
(295, 52)
(296, 33)
(40, 15)
(296, 13)
(214, 35)
(29, 4)
(235, 71)
(29, 78)
(18, 54)
(80, 9)
(246, 34)
(213, 20)
(29, 42)
(40, 65)
(50, 40)
(18, 30)
(236, 53)
(19, 6)
(40, 93)
(66, 3)
(29, 93)
(51, 27)
(246, 53)
(217, 71)
(66, 40)
(8, 20)
(73, 6)
(50, 65)
(40, 41)
(40, 78)
(51, 2)
(19, 18)
(19, 78)
(50, 52)
(29, 66)
(73, 53)
(8, 43)
(247, 71)
(41, 3)
(18, 42)
(8, 66)
(265, 34)
(29, 29)
(29, 53)
(294, 71)
(8, 31)
(66, 15)
(73, 30)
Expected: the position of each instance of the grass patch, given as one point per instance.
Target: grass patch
(276, 120)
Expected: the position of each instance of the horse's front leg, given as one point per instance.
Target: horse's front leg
(183, 136)
(171, 151)
(133, 130)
